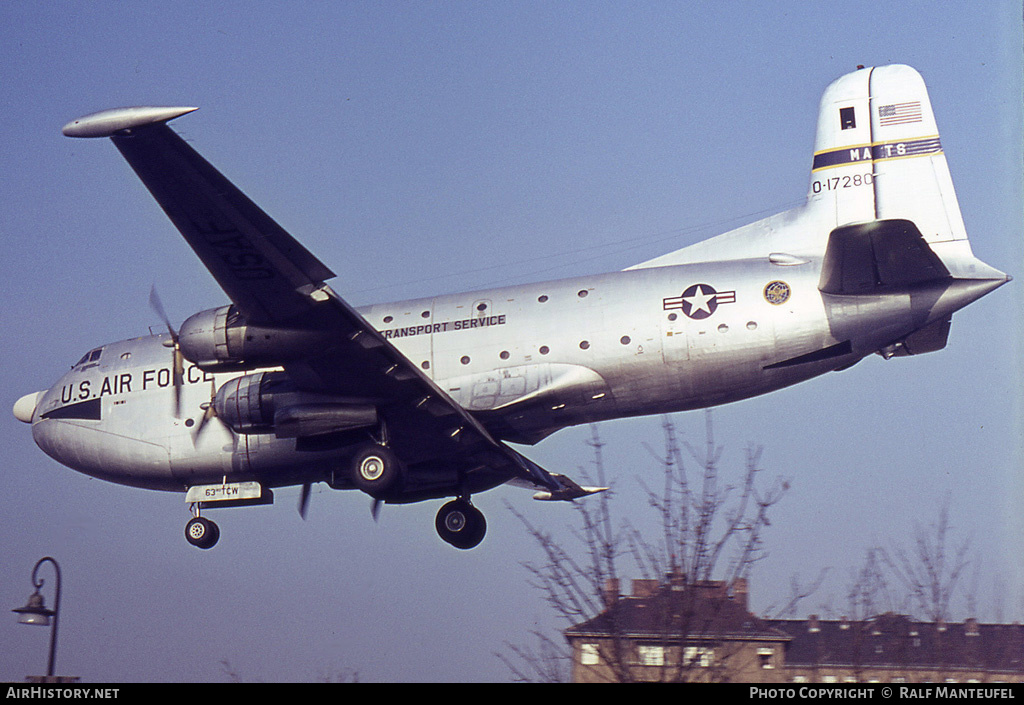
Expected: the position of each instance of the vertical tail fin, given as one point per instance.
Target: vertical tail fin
(877, 155)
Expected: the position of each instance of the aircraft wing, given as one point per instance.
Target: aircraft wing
(274, 281)
(264, 270)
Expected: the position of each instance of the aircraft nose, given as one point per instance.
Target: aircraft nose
(26, 406)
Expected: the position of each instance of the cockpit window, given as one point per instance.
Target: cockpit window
(91, 356)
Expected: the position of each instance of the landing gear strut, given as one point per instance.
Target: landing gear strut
(461, 524)
(202, 532)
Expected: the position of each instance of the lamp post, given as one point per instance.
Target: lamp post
(35, 611)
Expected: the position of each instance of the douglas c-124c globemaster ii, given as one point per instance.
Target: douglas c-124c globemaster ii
(417, 400)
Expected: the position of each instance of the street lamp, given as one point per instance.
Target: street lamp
(35, 611)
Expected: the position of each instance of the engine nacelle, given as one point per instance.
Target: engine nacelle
(268, 402)
(220, 339)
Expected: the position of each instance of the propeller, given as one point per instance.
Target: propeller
(304, 500)
(178, 361)
(209, 411)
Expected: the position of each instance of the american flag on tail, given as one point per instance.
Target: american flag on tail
(899, 113)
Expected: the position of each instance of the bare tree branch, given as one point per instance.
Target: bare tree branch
(708, 529)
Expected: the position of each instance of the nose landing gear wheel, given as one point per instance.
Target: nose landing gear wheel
(201, 532)
(461, 524)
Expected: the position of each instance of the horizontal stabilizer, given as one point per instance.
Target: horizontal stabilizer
(883, 255)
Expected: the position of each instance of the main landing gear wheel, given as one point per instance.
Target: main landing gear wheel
(376, 470)
(202, 532)
(461, 524)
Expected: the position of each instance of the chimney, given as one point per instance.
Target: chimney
(611, 591)
(644, 588)
(739, 591)
(677, 579)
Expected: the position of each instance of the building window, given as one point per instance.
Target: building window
(697, 656)
(651, 655)
(765, 657)
(588, 655)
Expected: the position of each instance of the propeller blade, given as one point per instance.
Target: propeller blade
(178, 360)
(157, 305)
(208, 413)
(375, 509)
(178, 380)
(304, 500)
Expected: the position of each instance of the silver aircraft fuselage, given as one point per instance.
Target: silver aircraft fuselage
(414, 400)
(587, 348)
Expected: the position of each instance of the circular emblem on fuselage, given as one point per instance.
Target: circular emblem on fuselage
(776, 292)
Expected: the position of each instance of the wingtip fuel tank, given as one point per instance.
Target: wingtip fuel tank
(108, 122)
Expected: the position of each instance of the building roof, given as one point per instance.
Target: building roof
(894, 641)
(667, 610)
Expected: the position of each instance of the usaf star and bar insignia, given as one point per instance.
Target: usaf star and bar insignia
(700, 301)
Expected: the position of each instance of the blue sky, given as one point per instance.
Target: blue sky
(421, 148)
